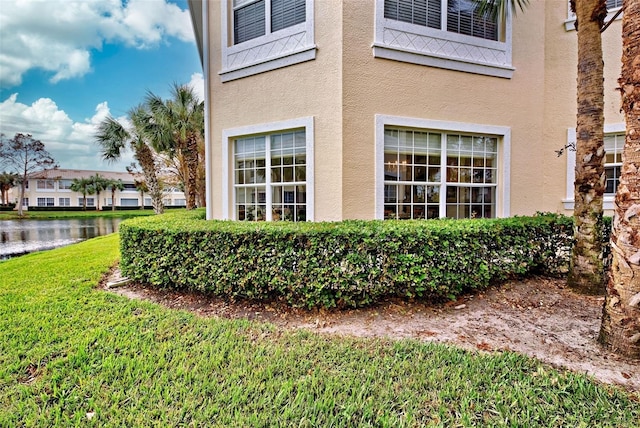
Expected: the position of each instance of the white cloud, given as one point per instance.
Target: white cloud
(58, 35)
(197, 83)
(70, 143)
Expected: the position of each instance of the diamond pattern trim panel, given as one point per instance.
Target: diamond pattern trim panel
(430, 45)
(264, 52)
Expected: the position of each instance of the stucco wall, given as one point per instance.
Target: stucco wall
(311, 88)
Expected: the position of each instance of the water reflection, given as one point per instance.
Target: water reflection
(19, 237)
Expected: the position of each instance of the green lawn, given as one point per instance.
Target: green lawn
(13, 215)
(71, 355)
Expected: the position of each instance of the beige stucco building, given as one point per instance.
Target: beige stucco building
(329, 110)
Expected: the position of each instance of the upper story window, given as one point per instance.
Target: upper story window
(255, 18)
(612, 9)
(262, 35)
(45, 185)
(65, 184)
(613, 4)
(448, 34)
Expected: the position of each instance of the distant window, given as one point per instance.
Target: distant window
(64, 202)
(129, 186)
(45, 184)
(90, 202)
(613, 4)
(64, 184)
(180, 202)
(129, 202)
(46, 202)
(147, 201)
(25, 202)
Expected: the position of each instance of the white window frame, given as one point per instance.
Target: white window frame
(64, 202)
(91, 202)
(503, 133)
(61, 186)
(402, 41)
(569, 201)
(570, 22)
(46, 201)
(228, 138)
(291, 45)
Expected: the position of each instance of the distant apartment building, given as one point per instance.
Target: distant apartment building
(52, 188)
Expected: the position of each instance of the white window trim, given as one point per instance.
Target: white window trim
(476, 49)
(282, 48)
(503, 189)
(569, 201)
(570, 22)
(229, 135)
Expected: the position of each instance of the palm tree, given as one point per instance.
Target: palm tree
(83, 185)
(141, 186)
(99, 184)
(620, 330)
(114, 138)
(586, 273)
(8, 180)
(114, 185)
(177, 127)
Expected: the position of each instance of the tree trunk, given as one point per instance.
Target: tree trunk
(21, 197)
(147, 163)
(191, 156)
(586, 273)
(620, 329)
(113, 199)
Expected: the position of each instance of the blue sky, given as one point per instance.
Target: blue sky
(65, 65)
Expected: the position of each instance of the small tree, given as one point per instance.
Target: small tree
(99, 183)
(114, 185)
(8, 180)
(82, 185)
(24, 155)
(141, 186)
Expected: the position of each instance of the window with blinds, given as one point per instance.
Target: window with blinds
(613, 145)
(250, 17)
(613, 4)
(461, 16)
(420, 12)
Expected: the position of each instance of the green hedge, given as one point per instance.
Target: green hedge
(348, 264)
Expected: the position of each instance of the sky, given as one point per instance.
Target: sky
(66, 65)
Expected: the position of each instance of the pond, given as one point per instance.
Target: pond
(18, 237)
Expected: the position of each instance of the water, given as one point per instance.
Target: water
(18, 237)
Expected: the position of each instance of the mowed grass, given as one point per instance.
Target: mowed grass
(72, 355)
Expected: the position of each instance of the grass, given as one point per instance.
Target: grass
(13, 215)
(72, 355)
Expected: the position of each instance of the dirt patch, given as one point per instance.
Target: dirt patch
(538, 317)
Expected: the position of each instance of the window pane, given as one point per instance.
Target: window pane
(286, 13)
(249, 22)
(463, 18)
(418, 12)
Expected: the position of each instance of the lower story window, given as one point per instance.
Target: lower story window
(439, 174)
(270, 177)
(90, 202)
(46, 202)
(129, 202)
(64, 202)
(613, 145)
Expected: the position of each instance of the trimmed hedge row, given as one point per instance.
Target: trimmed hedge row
(345, 264)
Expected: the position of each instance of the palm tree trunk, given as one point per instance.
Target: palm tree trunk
(113, 199)
(620, 329)
(191, 156)
(145, 157)
(586, 273)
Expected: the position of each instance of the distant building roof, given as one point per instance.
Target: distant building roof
(69, 174)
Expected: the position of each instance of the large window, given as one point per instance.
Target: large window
(438, 174)
(64, 202)
(255, 18)
(270, 177)
(460, 16)
(90, 202)
(613, 145)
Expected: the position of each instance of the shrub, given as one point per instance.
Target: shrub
(349, 263)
